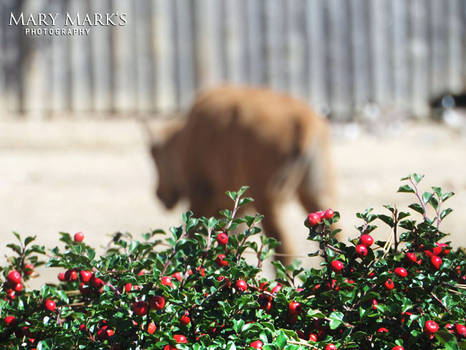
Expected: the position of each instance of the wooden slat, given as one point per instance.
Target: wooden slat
(419, 57)
(316, 46)
(185, 77)
(360, 56)
(235, 43)
(4, 14)
(144, 59)
(439, 46)
(380, 16)
(455, 49)
(208, 50)
(275, 44)
(102, 63)
(339, 53)
(256, 42)
(164, 54)
(400, 68)
(125, 97)
(81, 74)
(297, 55)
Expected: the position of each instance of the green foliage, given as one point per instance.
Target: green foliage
(97, 298)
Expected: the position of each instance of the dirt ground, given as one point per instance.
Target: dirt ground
(97, 177)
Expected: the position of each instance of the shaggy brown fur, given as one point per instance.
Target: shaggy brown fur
(236, 136)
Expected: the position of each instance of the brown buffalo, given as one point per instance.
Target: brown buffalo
(236, 136)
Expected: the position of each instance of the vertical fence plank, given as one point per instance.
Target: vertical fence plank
(275, 44)
(316, 46)
(439, 46)
(81, 83)
(125, 98)
(256, 42)
(61, 65)
(455, 51)
(208, 52)
(36, 72)
(144, 59)
(297, 60)
(164, 55)
(400, 49)
(419, 57)
(339, 54)
(102, 63)
(4, 18)
(235, 33)
(380, 20)
(360, 60)
(185, 77)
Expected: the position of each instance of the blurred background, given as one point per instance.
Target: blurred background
(73, 155)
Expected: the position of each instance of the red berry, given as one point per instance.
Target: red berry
(313, 219)
(366, 240)
(411, 257)
(185, 320)
(71, 275)
(436, 262)
(28, 269)
(437, 250)
(178, 276)
(374, 304)
(398, 347)
(151, 328)
(220, 260)
(222, 238)
(167, 281)
(265, 301)
(401, 272)
(61, 276)
(82, 327)
(14, 277)
(104, 332)
(78, 237)
(382, 330)
(128, 287)
(330, 347)
(276, 289)
(18, 287)
(389, 284)
(50, 305)
(312, 337)
(361, 250)
(430, 327)
(169, 347)
(83, 289)
(241, 285)
(10, 321)
(294, 308)
(329, 214)
(337, 265)
(157, 302)
(85, 276)
(460, 330)
(140, 308)
(180, 339)
(256, 344)
(96, 282)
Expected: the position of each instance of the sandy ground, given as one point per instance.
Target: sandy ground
(97, 177)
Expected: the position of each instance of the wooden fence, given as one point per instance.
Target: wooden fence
(337, 54)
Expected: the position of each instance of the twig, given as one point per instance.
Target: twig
(423, 205)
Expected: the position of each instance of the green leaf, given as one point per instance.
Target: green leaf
(406, 189)
(336, 319)
(387, 219)
(445, 212)
(29, 240)
(417, 177)
(417, 207)
(426, 196)
(447, 340)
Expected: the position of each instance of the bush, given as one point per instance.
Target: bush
(196, 291)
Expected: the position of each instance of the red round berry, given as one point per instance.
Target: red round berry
(460, 330)
(10, 321)
(185, 320)
(389, 284)
(78, 237)
(13, 277)
(167, 281)
(329, 213)
(157, 302)
(241, 285)
(313, 219)
(151, 328)
(71, 275)
(180, 339)
(361, 250)
(50, 305)
(330, 347)
(430, 327)
(178, 276)
(411, 257)
(18, 287)
(128, 287)
(366, 240)
(140, 308)
(398, 347)
(257, 344)
(220, 260)
(28, 269)
(294, 308)
(337, 265)
(61, 276)
(401, 272)
(436, 261)
(222, 238)
(85, 276)
(312, 337)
